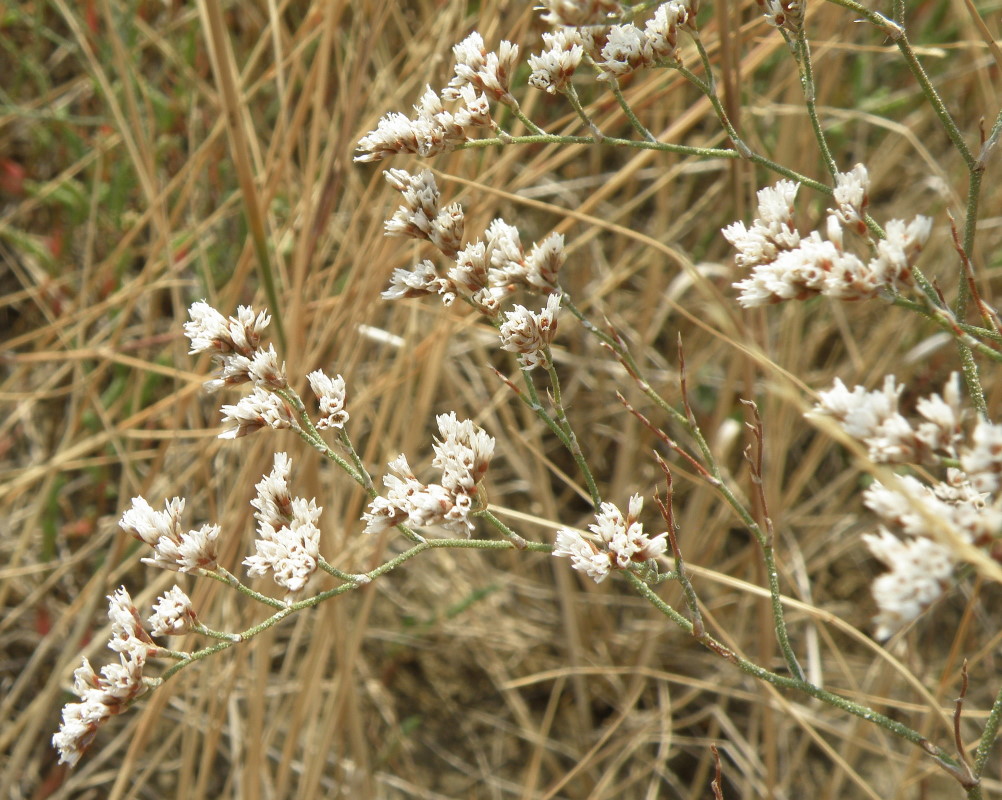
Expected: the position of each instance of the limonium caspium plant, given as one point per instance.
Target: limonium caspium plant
(936, 467)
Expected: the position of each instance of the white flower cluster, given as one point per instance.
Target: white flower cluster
(788, 266)
(421, 216)
(235, 344)
(874, 419)
(530, 334)
(487, 72)
(331, 394)
(105, 695)
(552, 69)
(463, 455)
(921, 565)
(629, 48)
(288, 537)
(434, 129)
(620, 542)
(920, 569)
(173, 548)
(487, 271)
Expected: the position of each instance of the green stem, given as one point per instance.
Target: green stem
(807, 80)
(311, 602)
(638, 126)
(708, 88)
(897, 33)
(798, 684)
(988, 735)
(572, 440)
(572, 96)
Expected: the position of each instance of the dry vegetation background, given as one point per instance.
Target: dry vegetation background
(463, 674)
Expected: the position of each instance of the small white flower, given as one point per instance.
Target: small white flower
(273, 502)
(899, 251)
(172, 614)
(471, 267)
(265, 370)
(504, 251)
(147, 525)
(78, 729)
(787, 14)
(544, 262)
(173, 548)
(475, 109)
(421, 199)
(331, 394)
(432, 132)
(463, 453)
(290, 552)
(127, 633)
(191, 551)
(662, 29)
(421, 280)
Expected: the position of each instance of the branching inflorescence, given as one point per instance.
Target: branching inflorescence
(855, 259)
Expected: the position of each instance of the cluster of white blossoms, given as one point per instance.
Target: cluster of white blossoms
(789, 266)
(617, 50)
(619, 542)
(629, 48)
(484, 272)
(106, 694)
(235, 343)
(530, 334)
(288, 539)
(921, 565)
(173, 547)
(463, 455)
(480, 77)
(874, 419)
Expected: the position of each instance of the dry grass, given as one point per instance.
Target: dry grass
(124, 196)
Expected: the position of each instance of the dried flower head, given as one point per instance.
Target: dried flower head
(260, 409)
(788, 266)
